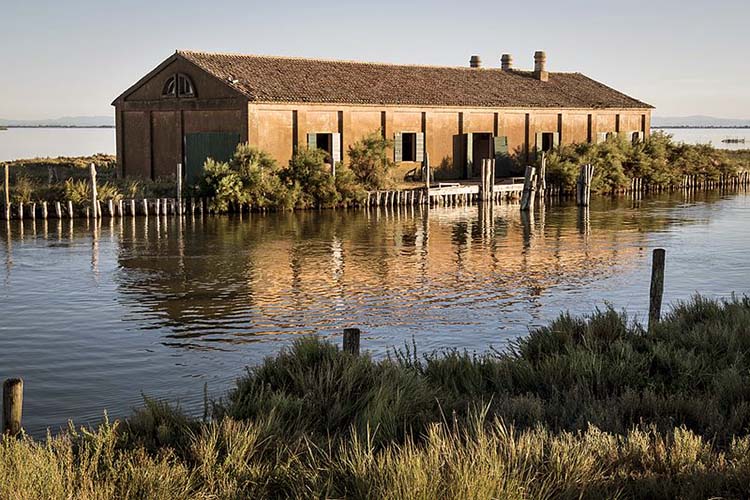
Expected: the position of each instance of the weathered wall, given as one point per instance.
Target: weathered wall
(151, 127)
(513, 125)
(137, 148)
(442, 126)
(167, 142)
(575, 128)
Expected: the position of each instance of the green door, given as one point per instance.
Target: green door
(203, 145)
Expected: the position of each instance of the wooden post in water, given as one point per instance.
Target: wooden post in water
(657, 287)
(179, 189)
(427, 177)
(12, 406)
(542, 183)
(58, 210)
(7, 192)
(145, 207)
(94, 201)
(44, 210)
(529, 186)
(583, 186)
(70, 209)
(351, 340)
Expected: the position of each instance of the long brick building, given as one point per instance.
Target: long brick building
(196, 105)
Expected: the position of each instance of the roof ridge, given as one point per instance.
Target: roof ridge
(367, 63)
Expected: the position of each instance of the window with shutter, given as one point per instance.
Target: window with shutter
(601, 137)
(398, 148)
(556, 140)
(336, 146)
(502, 158)
(312, 141)
(420, 148)
(469, 147)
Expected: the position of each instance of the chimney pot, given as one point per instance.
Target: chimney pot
(540, 66)
(475, 62)
(506, 62)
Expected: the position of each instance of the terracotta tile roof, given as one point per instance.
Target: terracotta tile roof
(282, 79)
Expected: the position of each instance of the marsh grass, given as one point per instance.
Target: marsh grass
(593, 407)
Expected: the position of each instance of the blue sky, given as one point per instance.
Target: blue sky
(73, 58)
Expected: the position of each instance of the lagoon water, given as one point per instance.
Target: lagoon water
(95, 316)
(17, 143)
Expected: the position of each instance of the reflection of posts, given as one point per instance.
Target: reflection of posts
(527, 222)
(584, 221)
(179, 189)
(486, 221)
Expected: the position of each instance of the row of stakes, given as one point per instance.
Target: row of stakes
(13, 387)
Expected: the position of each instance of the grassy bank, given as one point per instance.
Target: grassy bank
(585, 408)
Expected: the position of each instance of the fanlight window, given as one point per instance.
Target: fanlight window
(178, 85)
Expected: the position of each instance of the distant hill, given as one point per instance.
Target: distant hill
(65, 121)
(697, 121)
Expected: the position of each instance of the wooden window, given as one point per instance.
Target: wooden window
(170, 87)
(185, 86)
(178, 85)
(408, 146)
(328, 142)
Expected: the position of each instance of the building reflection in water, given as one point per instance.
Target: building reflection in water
(226, 279)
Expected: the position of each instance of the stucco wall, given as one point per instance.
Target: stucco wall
(167, 142)
(575, 128)
(136, 151)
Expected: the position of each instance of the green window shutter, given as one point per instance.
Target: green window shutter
(556, 140)
(201, 146)
(312, 141)
(336, 147)
(420, 147)
(398, 148)
(469, 155)
(500, 147)
(538, 141)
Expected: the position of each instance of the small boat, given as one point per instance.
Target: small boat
(734, 140)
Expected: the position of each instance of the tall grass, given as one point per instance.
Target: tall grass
(593, 407)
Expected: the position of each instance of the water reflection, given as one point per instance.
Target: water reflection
(227, 280)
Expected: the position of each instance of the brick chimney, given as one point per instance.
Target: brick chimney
(540, 66)
(475, 62)
(506, 62)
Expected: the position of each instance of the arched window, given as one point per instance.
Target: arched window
(178, 85)
(170, 89)
(185, 86)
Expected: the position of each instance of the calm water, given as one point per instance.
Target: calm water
(93, 317)
(712, 136)
(16, 143)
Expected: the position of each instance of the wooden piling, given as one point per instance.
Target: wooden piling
(542, 177)
(58, 210)
(12, 406)
(657, 286)
(20, 210)
(94, 200)
(529, 182)
(70, 209)
(7, 192)
(179, 189)
(45, 212)
(351, 340)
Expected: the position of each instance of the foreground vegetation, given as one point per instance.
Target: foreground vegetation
(585, 408)
(657, 160)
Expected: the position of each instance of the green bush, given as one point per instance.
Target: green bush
(369, 161)
(310, 176)
(658, 160)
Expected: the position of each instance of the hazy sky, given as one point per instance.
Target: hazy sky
(73, 58)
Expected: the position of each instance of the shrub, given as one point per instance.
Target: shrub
(23, 190)
(78, 191)
(261, 185)
(309, 175)
(221, 183)
(369, 161)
